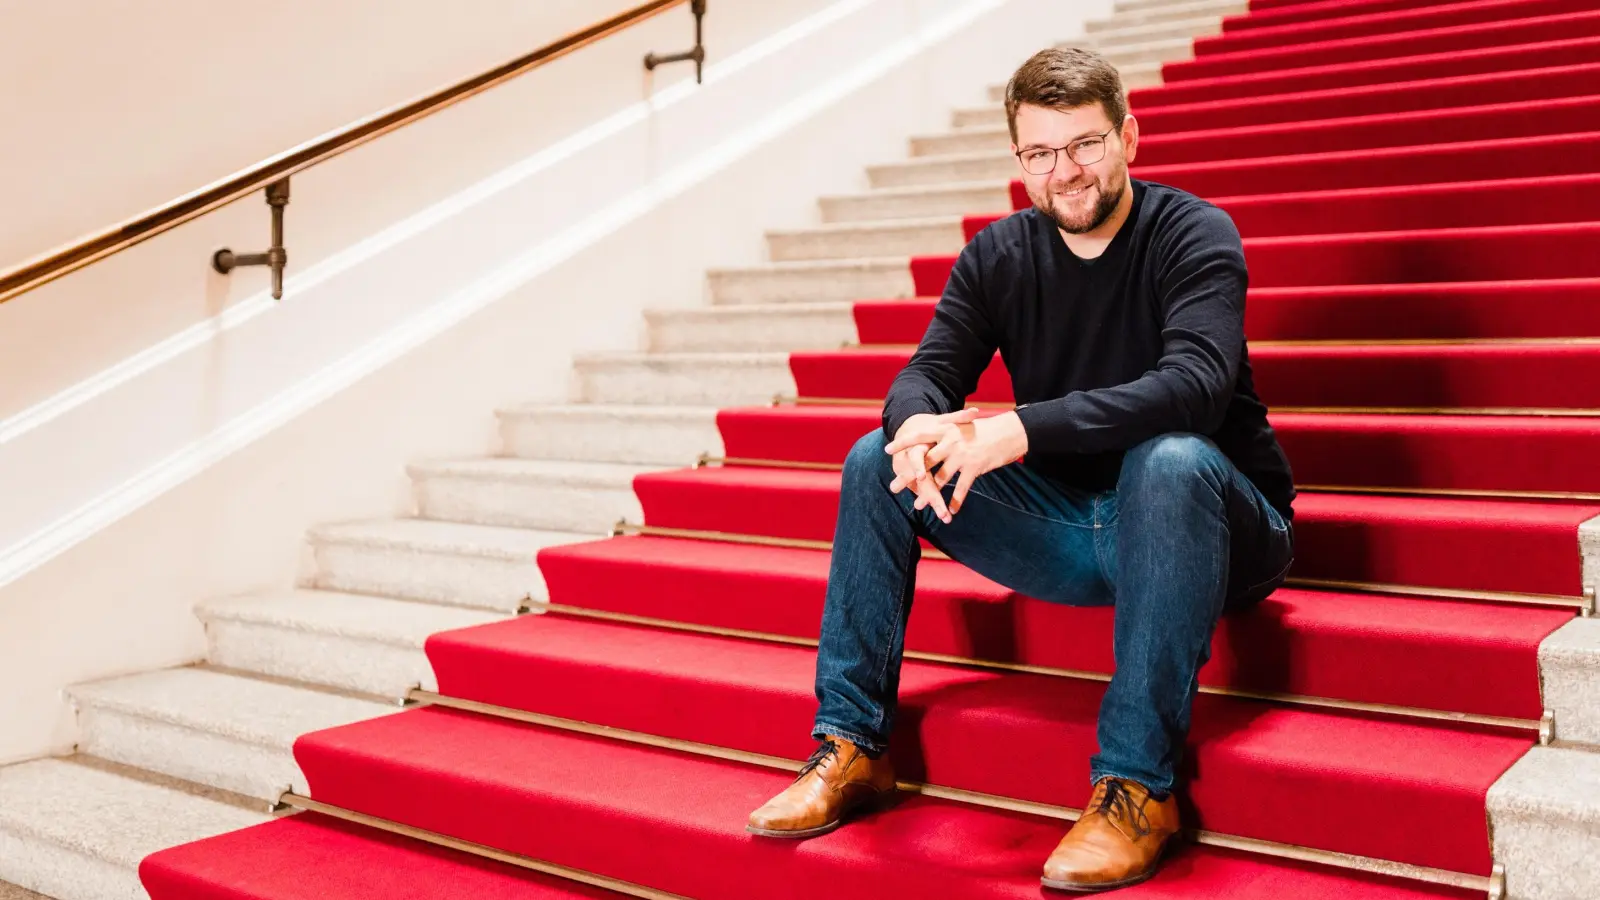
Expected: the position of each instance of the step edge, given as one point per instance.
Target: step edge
(1257, 846)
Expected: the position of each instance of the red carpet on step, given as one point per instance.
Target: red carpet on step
(1452, 39)
(1510, 201)
(658, 817)
(315, 857)
(757, 696)
(1423, 652)
(1488, 60)
(1458, 310)
(1447, 376)
(1481, 453)
(1490, 545)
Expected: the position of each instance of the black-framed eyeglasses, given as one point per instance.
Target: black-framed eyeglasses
(1085, 151)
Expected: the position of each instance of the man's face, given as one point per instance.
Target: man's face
(1079, 198)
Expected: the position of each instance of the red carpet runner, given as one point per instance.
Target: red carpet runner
(1416, 183)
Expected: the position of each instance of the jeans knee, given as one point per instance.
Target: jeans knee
(1174, 458)
(867, 461)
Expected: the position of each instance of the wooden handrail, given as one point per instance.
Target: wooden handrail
(71, 257)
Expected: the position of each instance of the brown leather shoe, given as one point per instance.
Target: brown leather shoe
(1117, 841)
(838, 779)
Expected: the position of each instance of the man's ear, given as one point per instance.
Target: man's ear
(1130, 137)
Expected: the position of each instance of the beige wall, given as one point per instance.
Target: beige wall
(111, 108)
(123, 105)
(693, 182)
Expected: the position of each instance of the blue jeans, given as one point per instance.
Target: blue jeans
(1182, 537)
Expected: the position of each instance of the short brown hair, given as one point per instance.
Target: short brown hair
(1063, 79)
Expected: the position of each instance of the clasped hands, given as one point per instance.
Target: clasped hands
(961, 446)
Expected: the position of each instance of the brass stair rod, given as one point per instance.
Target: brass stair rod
(275, 257)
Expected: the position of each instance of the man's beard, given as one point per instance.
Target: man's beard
(1081, 221)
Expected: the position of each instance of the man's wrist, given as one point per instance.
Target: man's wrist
(1016, 434)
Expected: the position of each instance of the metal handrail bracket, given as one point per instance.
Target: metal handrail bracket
(697, 53)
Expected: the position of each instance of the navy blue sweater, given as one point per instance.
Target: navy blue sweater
(1104, 354)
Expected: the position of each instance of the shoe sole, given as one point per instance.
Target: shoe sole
(871, 804)
(1077, 888)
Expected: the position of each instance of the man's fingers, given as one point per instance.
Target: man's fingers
(941, 451)
(959, 495)
(932, 430)
(920, 436)
(908, 467)
(917, 460)
(930, 496)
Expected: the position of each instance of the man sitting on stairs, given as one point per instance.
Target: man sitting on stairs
(1152, 481)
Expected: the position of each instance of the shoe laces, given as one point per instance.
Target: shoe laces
(825, 751)
(1118, 806)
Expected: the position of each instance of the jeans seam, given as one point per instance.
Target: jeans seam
(1027, 512)
(888, 651)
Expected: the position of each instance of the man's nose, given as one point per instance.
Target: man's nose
(1066, 169)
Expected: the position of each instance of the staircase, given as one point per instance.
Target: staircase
(1414, 716)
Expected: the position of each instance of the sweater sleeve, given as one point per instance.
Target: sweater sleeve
(1200, 287)
(954, 351)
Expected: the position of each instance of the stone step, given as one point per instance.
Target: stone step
(1140, 75)
(978, 137)
(854, 240)
(957, 199)
(475, 566)
(1147, 52)
(989, 115)
(1121, 7)
(213, 728)
(816, 281)
(1111, 40)
(929, 171)
(1569, 676)
(619, 433)
(1544, 813)
(1589, 543)
(78, 832)
(1166, 13)
(371, 645)
(753, 326)
(521, 493)
(685, 379)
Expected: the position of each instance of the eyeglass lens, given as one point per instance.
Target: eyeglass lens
(1042, 161)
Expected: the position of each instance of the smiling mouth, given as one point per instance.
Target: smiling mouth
(1073, 193)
